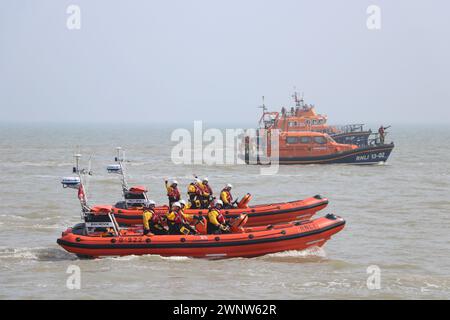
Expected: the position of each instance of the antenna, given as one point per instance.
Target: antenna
(78, 182)
(298, 102)
(263, 106)
(119, 168)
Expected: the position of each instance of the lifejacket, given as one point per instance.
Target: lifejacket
(173, 193)
(226, 196)
(215, 215)
(154, 220)
(205, 189)
(176, 217)
(215, 219)
(193, 189)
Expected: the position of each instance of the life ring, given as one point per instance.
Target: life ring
(244, 201)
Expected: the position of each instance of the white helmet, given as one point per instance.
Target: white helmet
(174, 182)
(183, 202)
(197, 180)
(151, 203)
(218, 202)
(176, 204)
(229, 185)
(205, 179)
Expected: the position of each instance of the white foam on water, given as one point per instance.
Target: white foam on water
(35, 253)
(123, 258)
(151, 256)
(175, 258)
(313, 251)
(19, 253)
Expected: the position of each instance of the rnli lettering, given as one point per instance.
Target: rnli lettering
(372, 156)
(306, 227)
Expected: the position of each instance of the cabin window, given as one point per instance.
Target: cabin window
(291, 140)
(134, 196)
(305, 139)
(320, 140)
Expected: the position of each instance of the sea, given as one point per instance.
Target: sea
(395, 244)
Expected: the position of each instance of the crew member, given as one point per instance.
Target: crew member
(216, 220)
(382, 133)
(177, 221)
(182, 206)
(152, 221)
(205, 193)
(226, 197)
(172, 192)
(194, 194)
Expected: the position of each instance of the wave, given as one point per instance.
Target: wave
(35, 164)
(313, 254)
(36, 253)
(313, 251)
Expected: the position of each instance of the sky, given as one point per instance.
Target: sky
(178, 61)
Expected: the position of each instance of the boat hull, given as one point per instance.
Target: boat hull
(298, 236)
(257, 215)
(362, 155)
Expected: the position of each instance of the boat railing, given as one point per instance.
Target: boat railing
(375, 139)
(357, 127)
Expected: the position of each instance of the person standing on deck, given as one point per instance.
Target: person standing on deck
(194, 193)
(382, 133)
(206, 193)
(172, 192)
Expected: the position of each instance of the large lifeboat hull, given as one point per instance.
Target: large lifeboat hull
(361, 155)
(258, 215)
(250, 243)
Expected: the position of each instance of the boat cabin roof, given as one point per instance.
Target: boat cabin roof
(138, 189)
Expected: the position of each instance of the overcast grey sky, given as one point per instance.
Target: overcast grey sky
(213, 60)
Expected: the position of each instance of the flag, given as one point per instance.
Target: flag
(81, 193)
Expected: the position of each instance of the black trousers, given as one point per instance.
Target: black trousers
(175, 228)
(172, 201)
(204, 202)
(157, 231)
(192, 200)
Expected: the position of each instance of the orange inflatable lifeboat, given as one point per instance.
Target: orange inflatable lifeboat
(262, 214)
(248, 242)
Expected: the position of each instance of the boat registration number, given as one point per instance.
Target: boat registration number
(372, 156)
